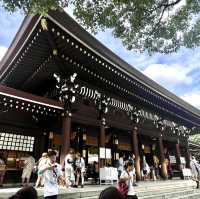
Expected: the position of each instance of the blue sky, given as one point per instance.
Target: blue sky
(178, 72)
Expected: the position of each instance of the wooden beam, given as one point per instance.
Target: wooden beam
(32, 99)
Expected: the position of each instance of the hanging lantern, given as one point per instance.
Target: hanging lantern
(55, 52)
(50, 135)
(84, 136)
(115, 140)
(117, 156)
(84, 153)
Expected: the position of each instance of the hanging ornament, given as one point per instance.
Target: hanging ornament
(44, 24)
(67, 91)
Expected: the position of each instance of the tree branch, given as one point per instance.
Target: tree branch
(165, 6)
(172, 4)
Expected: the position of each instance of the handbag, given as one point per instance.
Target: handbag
(123, 187)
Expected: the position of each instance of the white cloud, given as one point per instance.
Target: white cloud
(169, 76)
(3, 50)
(192, 98)
(138, 60)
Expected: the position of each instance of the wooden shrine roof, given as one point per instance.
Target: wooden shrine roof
(18, 100)
(29, 64)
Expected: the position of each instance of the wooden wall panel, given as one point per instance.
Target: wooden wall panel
(125, 142)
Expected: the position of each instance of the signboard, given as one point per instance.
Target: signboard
(105, 153)
(172, 159)
(102, 152)
(108, 153)
(182, 159)
(117, 156)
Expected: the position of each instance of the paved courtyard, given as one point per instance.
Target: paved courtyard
(145, 190)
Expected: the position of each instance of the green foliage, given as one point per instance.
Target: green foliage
(93, 150)
(195, 138)
(33, 6)
(144, 25)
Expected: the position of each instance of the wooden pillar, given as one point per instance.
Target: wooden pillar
(136, 153)
(162, 157)
(187, 156)
(102, 143)
(66, 130)
(50, 141)
(178, 155)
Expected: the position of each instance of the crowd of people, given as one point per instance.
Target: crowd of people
(71, 173)
(126, 181)
(75, 170)
(50, 174)
(152, 172)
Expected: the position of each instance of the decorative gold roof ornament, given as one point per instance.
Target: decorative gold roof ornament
(44, 24)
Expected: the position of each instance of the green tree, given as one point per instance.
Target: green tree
(144, 25)
(195, 138)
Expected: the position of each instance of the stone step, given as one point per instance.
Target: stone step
(163, 192)
(66, 197)
(158, 192)
(143, 189)
(168, 195)
(93, 197)
(148, 192)
(173, 193)
(176, 195)
(190, 196)
(162, 184)
(77, 195)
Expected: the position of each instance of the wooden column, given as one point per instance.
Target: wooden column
(178, 155)
(66, 130)
(136, 152)
(162, 157)
(187, 156)
(102, 143)
(50, 140)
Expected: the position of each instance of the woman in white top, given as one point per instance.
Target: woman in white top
(127, 176)
(69, 168)
(195, 170)
(120, 165)
(52, 174)
(79, 170)
(42, 161)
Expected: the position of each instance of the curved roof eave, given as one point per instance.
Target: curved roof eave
(25, 30)
(64, 21)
